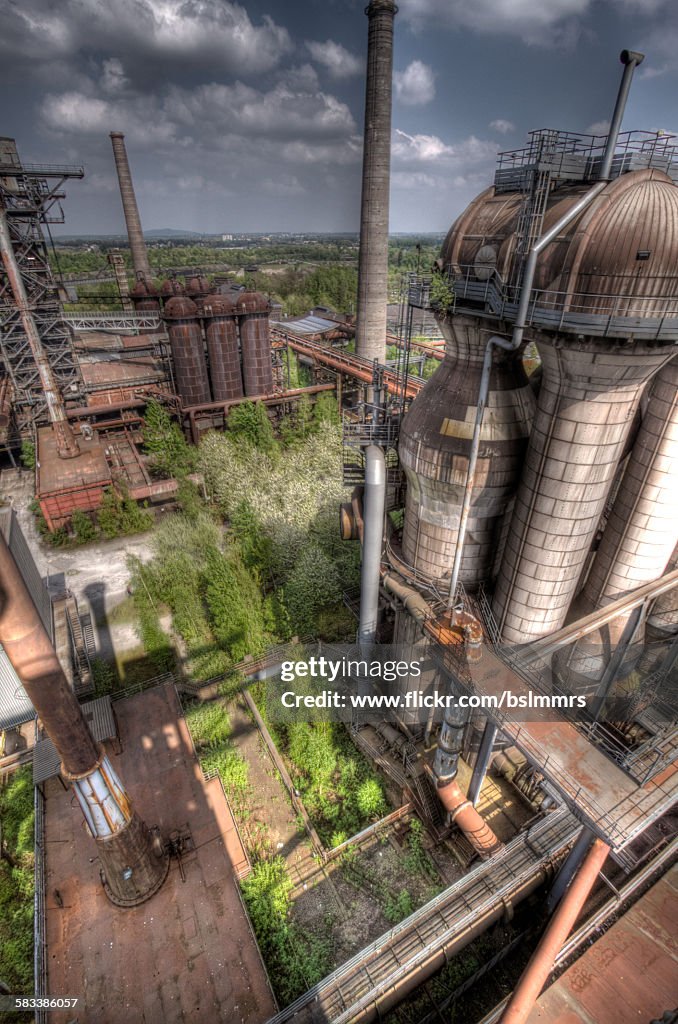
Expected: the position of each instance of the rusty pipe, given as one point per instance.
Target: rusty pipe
(541, 963)
(33, 658)
(466, 817)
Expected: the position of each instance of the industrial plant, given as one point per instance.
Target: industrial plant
(498, 841)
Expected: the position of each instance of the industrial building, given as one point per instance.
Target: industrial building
(519, 531)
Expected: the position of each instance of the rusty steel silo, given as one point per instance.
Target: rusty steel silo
(255, 343)
(221, 331)
(188, 354)
(145, 297)
(603, 288)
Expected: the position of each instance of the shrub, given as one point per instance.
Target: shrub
(398, 907)
(28, 456)
(83, 527)
(370, 799)
(165, 443)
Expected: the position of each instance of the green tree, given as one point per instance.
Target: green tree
(165, 442)
(28, 453)
(234, 602)
(250, 422)
(83, 527)
(370, 799)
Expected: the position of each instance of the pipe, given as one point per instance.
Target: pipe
(541, 962)
(630, 59)
(135, 234)
(569, 868)
(482, 761)
(133, 872)
(466, 817)
(66, 444)
(374, 503)
(417, 606)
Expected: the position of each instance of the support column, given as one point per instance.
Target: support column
(569, 868)
(482, 761)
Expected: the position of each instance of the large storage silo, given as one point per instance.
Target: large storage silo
(145, 297)
(188, 355)
(255, 343)
(221, 331)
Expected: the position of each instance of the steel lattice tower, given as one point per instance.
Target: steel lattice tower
(29, 197)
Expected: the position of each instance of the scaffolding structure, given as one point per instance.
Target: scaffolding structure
(30, 196)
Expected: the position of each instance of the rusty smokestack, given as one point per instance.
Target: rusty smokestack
(131, 210)
(373, 257)
(132, 870)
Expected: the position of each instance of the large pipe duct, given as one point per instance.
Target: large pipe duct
(541, 963)
(134, 867)
(373, 256)
(135, 235)
(374, 503)
(66, 443)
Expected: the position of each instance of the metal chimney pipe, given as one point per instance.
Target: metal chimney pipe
(373, 256)
(135, 234)
(374, 503)
(66, 444)
(133, 869)
(630, 59)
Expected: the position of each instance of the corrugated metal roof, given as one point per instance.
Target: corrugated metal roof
(98, 715)
(308, 325)
(15, 707)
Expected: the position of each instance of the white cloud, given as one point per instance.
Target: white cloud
(547, 23)
(335, 58)
(113, 77)
(502, 126)
(198, 33)
(598, 128)
(415, 86)
(413, 179)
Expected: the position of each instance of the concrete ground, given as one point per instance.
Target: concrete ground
(188, 954)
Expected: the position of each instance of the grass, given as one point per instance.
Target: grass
(17, 882)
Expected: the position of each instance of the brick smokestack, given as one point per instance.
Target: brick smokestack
(129, 204)
(373, 260)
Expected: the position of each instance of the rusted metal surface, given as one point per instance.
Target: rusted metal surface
(135, 234)
(466, 817)
(63, 486)
(255, 343)
(188, 354)
(102, 799)
(31, 654)
(221, 332)
(5, 402)
(628, 974)
(561, 924)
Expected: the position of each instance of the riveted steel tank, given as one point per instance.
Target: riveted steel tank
(188, 354)
(145, 297)
(434, 448)
(197, 286)
(170, 287)
(253, 311)
(221, 332)
(613, 270)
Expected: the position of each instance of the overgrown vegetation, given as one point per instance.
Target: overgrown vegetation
(16, 881)
(164, 441)
(210, 728)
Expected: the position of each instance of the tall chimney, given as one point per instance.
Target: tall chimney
(129, 204)
(134, 865)
(373, 258)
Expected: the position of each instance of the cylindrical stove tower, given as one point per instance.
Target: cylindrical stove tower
(640, 534)
(373, 256)
(135, 234)
(435, 442)
(221, 331)
(145, 297)
(590, 391)
(255, 343)
(188, 354)
(134, 866)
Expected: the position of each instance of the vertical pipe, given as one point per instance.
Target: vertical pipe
(541, 963)
(132, 870)
(66, 444)
(482, 761)
(630, 59)
(569, 868)
(135, 233)
(373, 533)
(373, 256)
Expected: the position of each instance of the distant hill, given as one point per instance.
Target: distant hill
(171, 233)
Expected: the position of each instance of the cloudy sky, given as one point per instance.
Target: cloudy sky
(248, 117)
